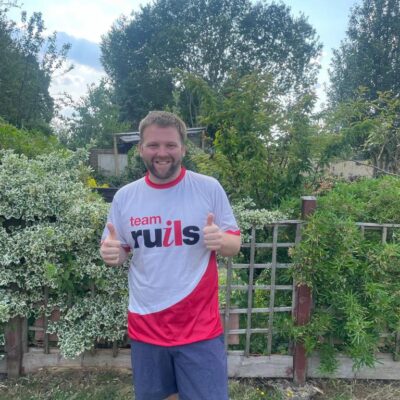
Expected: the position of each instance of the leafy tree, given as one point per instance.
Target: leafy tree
(95, 118)
(369, 129)
(260, 150)
(29, 59)
(370, 55)
(209, 39)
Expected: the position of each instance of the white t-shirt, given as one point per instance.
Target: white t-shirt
(173, 281)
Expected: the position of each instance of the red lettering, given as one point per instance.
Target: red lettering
(178, 233)
(155, 220)
(152, 220)
(166, 242)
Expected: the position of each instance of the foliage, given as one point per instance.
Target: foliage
(50, 225)
(260, 149)
(355, 278)
(94, 120)
(30, 143)
(29, 59)
(368, 129)
(247, 216)
(210, 39)
(370, 55)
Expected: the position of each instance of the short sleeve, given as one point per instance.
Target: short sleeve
(115, 218)
(224, 217)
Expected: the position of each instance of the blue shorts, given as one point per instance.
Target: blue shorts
(198, 371)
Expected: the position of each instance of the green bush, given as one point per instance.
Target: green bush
(50, 227)
(30, 143)
(355, 278)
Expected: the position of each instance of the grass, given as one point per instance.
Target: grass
(69, 385)
(359, 390)
(100, 384)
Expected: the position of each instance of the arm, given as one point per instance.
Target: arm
(230, 245)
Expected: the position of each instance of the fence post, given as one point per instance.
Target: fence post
(302, 308)
(13, 347)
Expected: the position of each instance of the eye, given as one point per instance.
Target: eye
(171, 145)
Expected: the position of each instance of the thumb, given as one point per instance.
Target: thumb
(112, 235)
(210, 219)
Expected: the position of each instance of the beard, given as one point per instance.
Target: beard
(174, 166)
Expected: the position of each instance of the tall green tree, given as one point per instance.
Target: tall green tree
(368, 129)
(208, 38)
(260, 149)
(370, 54)
(29, 59)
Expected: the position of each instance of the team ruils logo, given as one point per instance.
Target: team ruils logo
(172, 235)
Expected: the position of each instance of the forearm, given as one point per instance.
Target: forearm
(230, 245)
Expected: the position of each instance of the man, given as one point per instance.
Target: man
(174, 221)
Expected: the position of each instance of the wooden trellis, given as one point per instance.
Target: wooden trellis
(250, 287)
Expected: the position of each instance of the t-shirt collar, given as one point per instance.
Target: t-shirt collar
(168, 184)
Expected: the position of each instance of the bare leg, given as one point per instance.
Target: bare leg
(173, 397)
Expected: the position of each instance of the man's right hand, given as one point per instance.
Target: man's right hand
(111, 250)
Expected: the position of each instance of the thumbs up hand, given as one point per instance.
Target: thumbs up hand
(213, 236)
(111, 249)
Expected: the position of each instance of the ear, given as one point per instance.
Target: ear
(183, 151)
(139, 147)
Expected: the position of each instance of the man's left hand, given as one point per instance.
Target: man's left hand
(213, 236)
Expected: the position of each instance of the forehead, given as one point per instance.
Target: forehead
(161, 134)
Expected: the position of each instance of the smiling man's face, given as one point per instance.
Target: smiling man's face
(162, 152)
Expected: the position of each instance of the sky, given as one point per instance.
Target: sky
(82, 23)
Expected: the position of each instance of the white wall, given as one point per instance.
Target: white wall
(349, 169)
(106, 163)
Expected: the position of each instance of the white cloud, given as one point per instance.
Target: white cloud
(88, 19)
(75, 82)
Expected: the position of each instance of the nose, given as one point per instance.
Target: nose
(162, 151)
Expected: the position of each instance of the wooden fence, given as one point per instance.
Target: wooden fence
(250, 332)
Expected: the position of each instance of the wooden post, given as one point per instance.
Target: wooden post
(116, 160)
(13, 338)
(302, 309)
(203, 140)
(24, 335)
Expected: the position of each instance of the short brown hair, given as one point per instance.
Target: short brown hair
(164, 119)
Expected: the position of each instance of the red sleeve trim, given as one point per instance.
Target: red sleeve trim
(237, 233)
